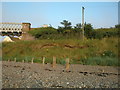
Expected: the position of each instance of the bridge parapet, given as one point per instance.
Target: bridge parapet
(14, 27)
(10, 27)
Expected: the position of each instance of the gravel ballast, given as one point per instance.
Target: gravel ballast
(27, 75)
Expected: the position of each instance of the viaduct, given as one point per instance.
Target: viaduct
(14, 28)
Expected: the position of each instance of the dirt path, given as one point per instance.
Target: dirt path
(27, 75)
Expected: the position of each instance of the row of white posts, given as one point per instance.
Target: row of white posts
(53, 63)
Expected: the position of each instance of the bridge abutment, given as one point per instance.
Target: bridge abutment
(26, 27)
(16, 29)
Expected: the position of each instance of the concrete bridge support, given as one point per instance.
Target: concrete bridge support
(26, 27)
(21, 29)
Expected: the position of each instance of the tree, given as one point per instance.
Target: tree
(117, 26)
(43, 32)
(67, 25)
(88, 30)
(60, 29)
(79, 26)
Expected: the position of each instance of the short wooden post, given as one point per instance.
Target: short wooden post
(23, 60)
(8, 60)
(43, 59)
(32, 60)
(14, 59)
(67, 64)
(54, 62)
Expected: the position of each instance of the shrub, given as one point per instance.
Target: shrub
(43, 32)
(108, 54)
(103, 61)
(106, 32)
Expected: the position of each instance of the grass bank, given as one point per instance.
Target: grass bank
(88, 52)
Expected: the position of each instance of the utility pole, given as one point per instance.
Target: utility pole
(83, 23)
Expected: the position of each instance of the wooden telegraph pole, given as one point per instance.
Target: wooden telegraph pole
(83, 22)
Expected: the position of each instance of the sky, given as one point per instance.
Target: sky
(99, 14)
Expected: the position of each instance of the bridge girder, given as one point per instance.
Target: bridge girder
(14, 27)
(11, 27)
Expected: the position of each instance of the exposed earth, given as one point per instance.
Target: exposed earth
(28, 75)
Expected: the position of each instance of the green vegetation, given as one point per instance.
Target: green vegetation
(89, 52)
(43, 32)
(105, 32)
(100, 46)
(104, 61)
(67, 32)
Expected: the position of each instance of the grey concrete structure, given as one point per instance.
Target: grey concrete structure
(14, 27)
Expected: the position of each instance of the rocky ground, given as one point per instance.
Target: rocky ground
(27, 75)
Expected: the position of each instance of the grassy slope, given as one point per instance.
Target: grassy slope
(87, 52)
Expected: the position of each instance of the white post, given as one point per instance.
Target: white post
(83, 22)
(8, 60)
(32, 60)
(14, 59)
(23, 60)
(43, 60)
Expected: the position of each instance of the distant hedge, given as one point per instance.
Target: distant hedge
(105, 32)
(43, 32)
(90, 33)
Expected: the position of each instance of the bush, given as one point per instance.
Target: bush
(108, 54)
(103, 61)
(88, 30)
(43, 32)
(61, 32)
(102, 33)
(60, 61)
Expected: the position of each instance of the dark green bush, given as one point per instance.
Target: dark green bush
(103, 61)
(43, 32)
(60, 61)
(102, 33)
(108, 54)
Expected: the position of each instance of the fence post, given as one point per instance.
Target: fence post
(23, 60)
(14, 59)
(8, 60)
(67, 64)
(32, 60)
(43, 59)
(54, 62)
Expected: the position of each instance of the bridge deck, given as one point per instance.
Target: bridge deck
(11, 27)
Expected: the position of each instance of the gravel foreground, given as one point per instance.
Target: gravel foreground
(27, 75)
